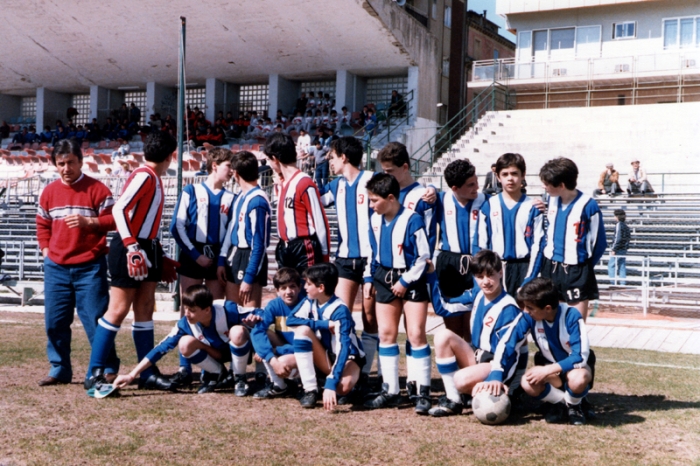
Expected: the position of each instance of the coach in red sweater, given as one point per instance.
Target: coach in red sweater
(74, 216)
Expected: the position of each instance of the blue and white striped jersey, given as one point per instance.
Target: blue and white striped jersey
(275, 313)
(491, 320)
(509, 232)
(352, 204)
(458, 224)
(453, 306)
(410, 198)
(343, 343)
(399, 244)
(201, 216)
(250, 229)
(225, 314)
(575, 233)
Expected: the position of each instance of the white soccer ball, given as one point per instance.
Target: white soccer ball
(489, 409)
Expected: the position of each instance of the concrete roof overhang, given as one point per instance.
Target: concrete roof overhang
(68, 46)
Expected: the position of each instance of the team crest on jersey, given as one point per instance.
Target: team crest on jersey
(201, 338)
(568, 344)
(528, 231)
(449, 212)
(475, 214)
(540, 330)
(495, 214)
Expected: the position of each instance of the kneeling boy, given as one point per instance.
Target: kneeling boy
(325, 339)
(210, 334)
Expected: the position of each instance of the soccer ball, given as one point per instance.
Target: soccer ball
(489, 409)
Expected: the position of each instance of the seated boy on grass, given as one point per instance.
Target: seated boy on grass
(325, 339)
(210, 334)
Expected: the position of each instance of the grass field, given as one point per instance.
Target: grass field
(648, 413)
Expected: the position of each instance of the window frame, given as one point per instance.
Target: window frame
(623, 23)
(695, 42)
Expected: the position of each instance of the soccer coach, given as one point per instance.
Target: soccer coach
(73, 218)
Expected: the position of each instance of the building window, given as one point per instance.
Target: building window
(477, 49)
(559, 43)
(323, 87)
(139, 99)
(196, 97)
(588, 41)
(683, 32)
(255, 97)
(448, 16)
(28, 107)
(495, 54)
(379, 89)
(627, 30)
(81, 102)
(433, 10)
(446, 67)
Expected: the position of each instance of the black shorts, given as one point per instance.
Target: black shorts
(118, 269)
(542, 361)
(356, 358)
(513, 382)
(575, 283)
(236, 272)
(299, 254)
(190, 268)
(453, 273)
(351, 269)
(514, 273)
(385, 278)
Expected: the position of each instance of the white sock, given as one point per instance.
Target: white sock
(421, 366)
(572, 398)
(370, 341)
(276, 379)
(208, 364)
(303, 352)
(239, 357)
(389, 356)
(554, 396)
(448, 368)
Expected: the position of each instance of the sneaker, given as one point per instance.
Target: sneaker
(271, 391)
(181, 378)
(384, 399)
(422, 402)
(446, 407)
(588, 409)
(555, 413)
(309, 399)
(226, 380)
(241, 387)
(210, 382)
(576, 417)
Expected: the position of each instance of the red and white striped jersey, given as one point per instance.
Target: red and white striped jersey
(138, 211)
(299, 212)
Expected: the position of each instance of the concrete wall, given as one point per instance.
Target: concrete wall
(283, 95)
(10, 107)
(51, 106)
(160, 99)
(504, 7)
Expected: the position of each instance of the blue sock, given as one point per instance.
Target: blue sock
(142, 332)
(185, 364)
(102, 344)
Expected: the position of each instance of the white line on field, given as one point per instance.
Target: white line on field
(649, 364)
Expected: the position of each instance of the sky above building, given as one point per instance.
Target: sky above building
(490, 6)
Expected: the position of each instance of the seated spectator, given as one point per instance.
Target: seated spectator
(300, 106)
(325, 118)
(638, 182)
(311, 102)
(364, 114)
(370, 126)
(46, 135)
(297, 122)
(134, 115)
(109, 129)
(154, 121)
(216, 136)
(328, 103)
(609, 182)
(93, 130)
(343, 126)
(492, 185)
(124, 170)
(80, 134)
(31, 136)
(397, 104)
(281, 118)
(18, 139)
(61, 133)
(123, 132)
(123, 150)
(4, 130)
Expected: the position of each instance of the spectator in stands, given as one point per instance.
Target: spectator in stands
(308, 121)
(124, 170)
(303, 141)
(370, 126)
(71, 113)
(81, 134)
(4, 130)
(300, 107)
(123, 150)
(364, 114)
(281, 118)
(342, 126)
(617, 264)
(93, 130)
(123, 113)
(265, 177)
(638, 182)
(492, 185)
(123, 132)
(319, 152)
(46, 135)
(61, 133)
(20, 137)
(609, 182)
(397, 104)
(134, 114)
(311, 102)
(108, 129)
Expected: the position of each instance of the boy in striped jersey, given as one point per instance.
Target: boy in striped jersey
(396, 275)
(136, 263)
(301, 221)
(462, 365)
(575, 238)
(202, 216)
(248, 236)
(457, 220)
(509, 222)
(210, 334)
(349, 193)
(325, 339)
(564, 364)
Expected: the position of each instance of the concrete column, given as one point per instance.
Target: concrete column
(232, 98)
(102, 100)
(350, 91)
(283, 94)
(160, 99)
(10, 107)
(413, 85)
(214, 99)
(51, 106)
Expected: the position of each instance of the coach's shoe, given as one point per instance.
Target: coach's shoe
(588, 409)
(576, 417)
(555, 413)
(384, 399)
(422, 402)
(446, 407)
(309, 399)
(181, 378)
(48, 380)
(241, 387)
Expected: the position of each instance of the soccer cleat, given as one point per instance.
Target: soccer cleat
(576, 417)
(309, 399)
(156, 382)
(98, 376)
(384, 399)
(466, 400)
(226, 380)
(181, 378)
(411, 389)
(555, 413)
(261, 380)
(446, 407)
(272, 391)
(588, 409)
(422, 402)
(241, 387)
(209, 382)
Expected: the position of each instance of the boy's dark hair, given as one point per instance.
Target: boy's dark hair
(158, 146)
(558, 171)
(382, 185)
(350, 147)
(540, 292)
(197, 295)
(218, 155)
(485, 262)
(281, 146)
(286, 276)
(246, 165)
(396, 153)
(458, 172)
(66, 147)
(323, 274)
(510, 160)
(620, 214)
